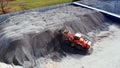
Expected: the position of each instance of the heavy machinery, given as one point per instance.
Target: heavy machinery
(77, 41)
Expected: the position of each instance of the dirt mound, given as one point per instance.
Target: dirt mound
(27, 37)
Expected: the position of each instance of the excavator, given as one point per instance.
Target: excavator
(77, 40)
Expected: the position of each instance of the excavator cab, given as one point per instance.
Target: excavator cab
(79, 36)
(79, 39)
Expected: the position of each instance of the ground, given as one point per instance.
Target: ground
(106, 49)
(30, 4)
(38, 3)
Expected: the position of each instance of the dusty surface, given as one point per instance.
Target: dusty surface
(25, 38)
(105, 55)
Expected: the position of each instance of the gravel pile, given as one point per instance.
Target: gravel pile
(27, 37)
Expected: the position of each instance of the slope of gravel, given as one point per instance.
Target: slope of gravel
(25, 38)
(3, 65)
(106, 53)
